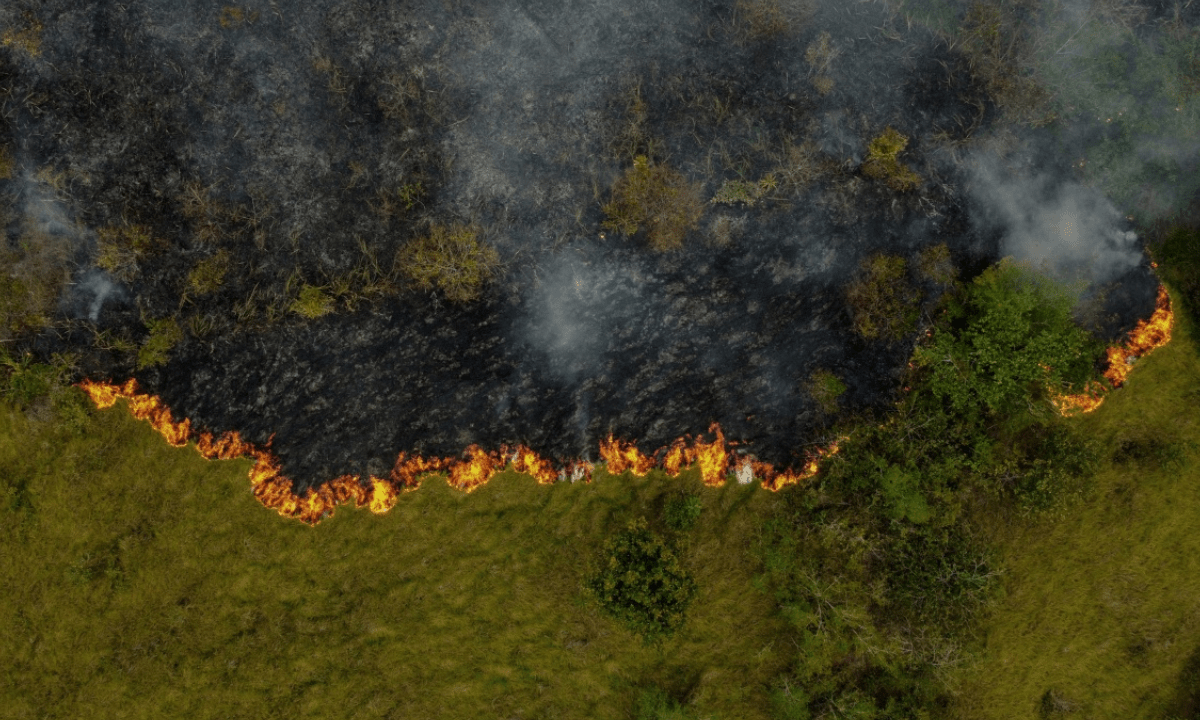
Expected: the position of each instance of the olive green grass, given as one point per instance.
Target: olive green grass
(139, 580)
(1102, 602)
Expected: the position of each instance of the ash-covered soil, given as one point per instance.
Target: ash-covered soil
(287, 145)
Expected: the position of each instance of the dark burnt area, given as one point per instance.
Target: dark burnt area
(291, 125)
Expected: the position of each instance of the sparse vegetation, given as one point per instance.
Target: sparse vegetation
(32, 276)
(7, 163)
(452, 259)
(27, 37)
(312, 302)
(657, 198)
(820, 55)
(759, 20)
(882, 303)
(825, 388)
(164, 335)
(121, 249)
(883, 162)
(935, 265)
(733, 192)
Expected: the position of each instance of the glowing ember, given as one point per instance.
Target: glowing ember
(476, 468)
(1149, 334)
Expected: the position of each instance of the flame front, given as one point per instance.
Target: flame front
(1148, 335)
(476, 468)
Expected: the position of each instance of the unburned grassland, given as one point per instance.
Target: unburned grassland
(138, 580)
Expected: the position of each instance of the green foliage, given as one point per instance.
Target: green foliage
(1187, 694)
(882, 302)
(312, 302)
(936, 575)
(732, 192)
(657, 198)
(883, 161)
(452, 259)
(642, 582)
(825, 388)
(682, 511)
(1010, 340)
(790, 702)
(655, 704)
(208, 274)
(165, 333)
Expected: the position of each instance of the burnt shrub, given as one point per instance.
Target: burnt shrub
(656, 198)
(642, 582)
(451, 259)
(882, 302)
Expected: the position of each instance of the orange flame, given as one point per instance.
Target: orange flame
(1149, 334)
(273, 489)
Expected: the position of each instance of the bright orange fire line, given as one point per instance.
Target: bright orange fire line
(476, 468)
(1148, 335)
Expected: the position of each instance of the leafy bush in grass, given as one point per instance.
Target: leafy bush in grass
(642, 583)
(1178, 255)
(655, 704)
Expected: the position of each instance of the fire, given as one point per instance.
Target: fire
(1149, 334)
(476, 468)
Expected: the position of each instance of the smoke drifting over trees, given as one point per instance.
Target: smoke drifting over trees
(301, 148)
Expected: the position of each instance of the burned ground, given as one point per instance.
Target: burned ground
(309, 143)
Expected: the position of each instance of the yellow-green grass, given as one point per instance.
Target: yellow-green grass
(1102, 604)
(142, 581)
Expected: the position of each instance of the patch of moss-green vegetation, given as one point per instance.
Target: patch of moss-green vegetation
(1099, 614)
(164, 335)
(883, 162)
(825, 388)
(312, 302)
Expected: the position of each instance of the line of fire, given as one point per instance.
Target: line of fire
(477, 466)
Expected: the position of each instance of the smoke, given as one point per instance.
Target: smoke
(96, 284)
(1067, 230)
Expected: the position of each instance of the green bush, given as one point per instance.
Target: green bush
(657, 198)
(642, 582)
(1007, 344)
(882, 303)
(452, 259)
(156, 348)
(936, 575)
(682, 512)
(1178, 255)
(208, 274)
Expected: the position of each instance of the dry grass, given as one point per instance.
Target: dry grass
(26, 37)
(33, 275)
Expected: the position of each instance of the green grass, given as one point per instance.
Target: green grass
(1102, 604)
(139, 580)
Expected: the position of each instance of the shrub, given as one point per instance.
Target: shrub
(682, 511)
(883, 162)
(935, 265)
(759, 20)
(658, 198)
(156, 348)
(655, 704)
(642, 583)
(1010, 340)
(312, 303)
(881, 301)
(936, 575)
(452, 259)
(825, 388)
(1177, 252)
(820, 55)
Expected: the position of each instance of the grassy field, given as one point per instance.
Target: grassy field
(138, 580)
(1102, 605)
